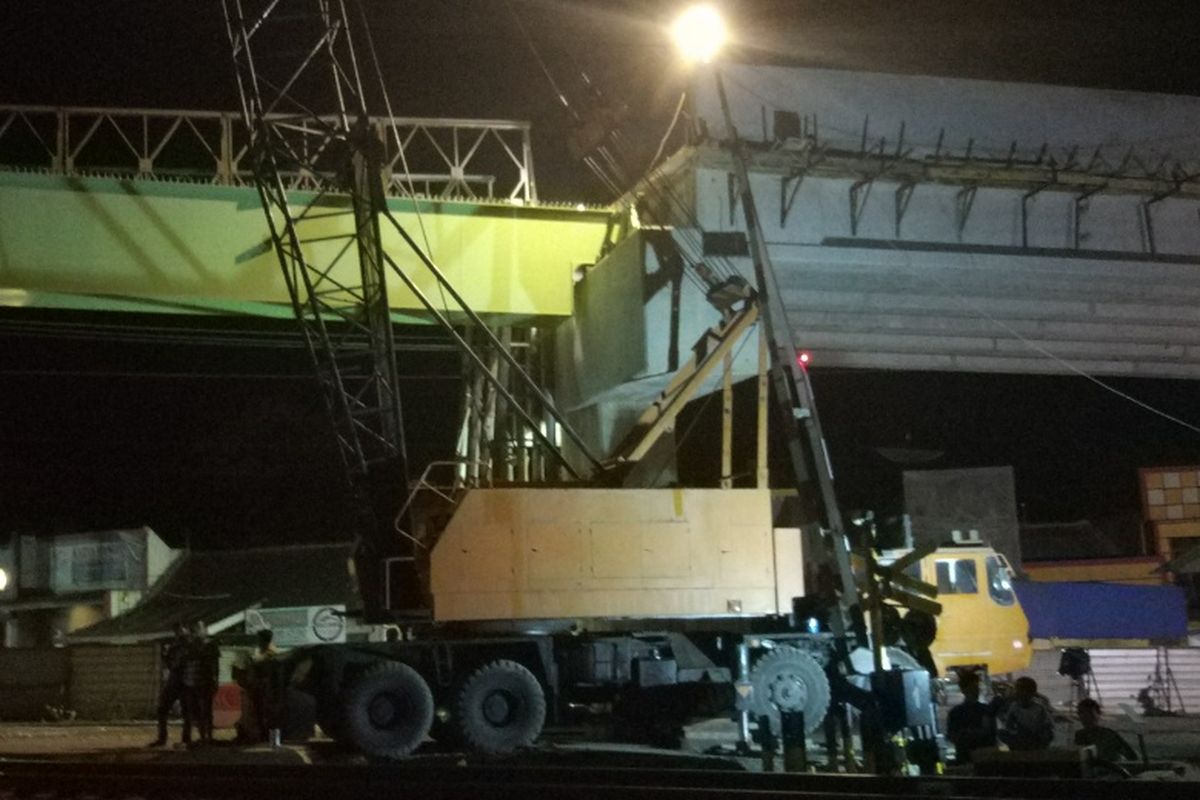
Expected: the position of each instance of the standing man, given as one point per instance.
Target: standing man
(971, 724)
(172, 658)
(208, 662)
(192, 678)
(257, 674)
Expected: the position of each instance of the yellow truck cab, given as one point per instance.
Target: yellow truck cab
(982, 622)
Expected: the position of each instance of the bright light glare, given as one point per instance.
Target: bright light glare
(699, 33)
(3, 579)
(803, 358)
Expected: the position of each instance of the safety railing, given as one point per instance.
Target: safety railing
(445, 158)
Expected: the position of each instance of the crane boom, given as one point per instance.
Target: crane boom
(793, 392)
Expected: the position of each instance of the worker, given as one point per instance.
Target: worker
(194, 683)
(1108, 743)
(171, 692)
(1026, 723)
(971, 724)
(206, 656)
(258, 677)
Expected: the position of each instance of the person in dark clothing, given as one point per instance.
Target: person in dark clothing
(1026, 723)
(193, 683)
(172, 658)
(1108, 743)
(971, 724)
(271, 689)
(262, 691)
(206, 656)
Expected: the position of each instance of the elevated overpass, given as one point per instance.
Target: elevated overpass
(914, 223)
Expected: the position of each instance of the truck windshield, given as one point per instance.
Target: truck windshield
(957, 576)
(999, 582)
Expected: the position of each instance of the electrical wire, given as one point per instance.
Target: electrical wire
(562, 97)
(1034, 346)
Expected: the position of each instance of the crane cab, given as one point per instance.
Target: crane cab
(982, 622)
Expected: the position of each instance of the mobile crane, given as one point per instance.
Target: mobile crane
(521, 599)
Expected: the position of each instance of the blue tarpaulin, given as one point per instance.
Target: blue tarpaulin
(1102, 610)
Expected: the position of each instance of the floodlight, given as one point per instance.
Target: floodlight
(699, 33)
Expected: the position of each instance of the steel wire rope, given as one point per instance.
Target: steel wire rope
(721, 266)
(561, 96)
(662, 143)
(753, 333)
(612, 183)
(404, 158)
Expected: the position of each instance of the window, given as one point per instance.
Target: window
(1000, 581)
(957, 576)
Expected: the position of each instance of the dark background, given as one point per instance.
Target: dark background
(109, 421)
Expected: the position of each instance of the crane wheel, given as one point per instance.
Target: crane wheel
(789, 679)
(501, 707)
(388, 711)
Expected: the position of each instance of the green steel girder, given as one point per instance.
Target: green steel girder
(185, 248)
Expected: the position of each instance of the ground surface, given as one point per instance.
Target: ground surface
(1166, 739)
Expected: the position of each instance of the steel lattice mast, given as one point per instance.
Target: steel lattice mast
(281, 52)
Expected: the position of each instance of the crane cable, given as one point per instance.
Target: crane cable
(614, 175)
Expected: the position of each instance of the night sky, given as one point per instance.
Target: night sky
(112, 421)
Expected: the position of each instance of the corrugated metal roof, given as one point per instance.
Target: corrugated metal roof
(219, 585)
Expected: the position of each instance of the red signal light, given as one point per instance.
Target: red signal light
(803, 358)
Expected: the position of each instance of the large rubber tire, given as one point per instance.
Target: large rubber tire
(500, 708)
(388, 711)
(790, 679)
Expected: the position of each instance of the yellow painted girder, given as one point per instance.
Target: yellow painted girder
(129, 238)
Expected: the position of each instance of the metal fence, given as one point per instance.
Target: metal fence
(446, 158)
